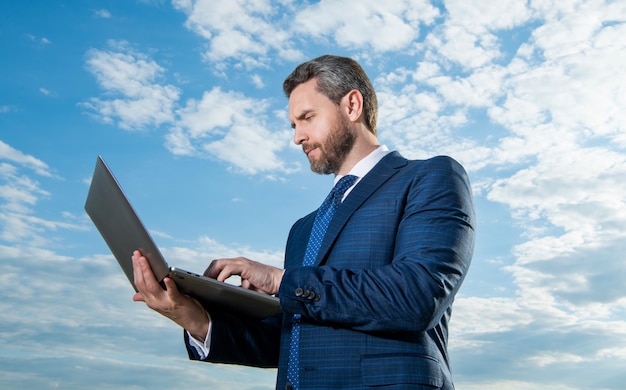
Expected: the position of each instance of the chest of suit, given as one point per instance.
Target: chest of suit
(363, 232)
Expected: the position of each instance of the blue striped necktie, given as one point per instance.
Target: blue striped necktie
(322, 220)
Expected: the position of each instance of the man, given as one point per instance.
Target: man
(366, 302)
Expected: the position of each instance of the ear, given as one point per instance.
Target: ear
(353, 105)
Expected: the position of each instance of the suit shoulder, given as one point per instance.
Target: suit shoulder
(438, 164)
(398, 160)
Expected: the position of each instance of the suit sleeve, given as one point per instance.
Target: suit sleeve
(428, 257)
(244, 341)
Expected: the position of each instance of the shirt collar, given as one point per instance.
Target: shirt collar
(366, 164)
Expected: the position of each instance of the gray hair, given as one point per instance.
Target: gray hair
(336, 76)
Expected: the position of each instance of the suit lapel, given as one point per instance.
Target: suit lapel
(385, 169)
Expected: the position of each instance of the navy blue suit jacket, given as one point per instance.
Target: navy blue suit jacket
(377, 314)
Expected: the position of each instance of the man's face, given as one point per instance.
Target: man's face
(320, 127)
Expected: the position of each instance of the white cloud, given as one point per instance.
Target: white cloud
(561, 107)
(230, 127)
(102, 13)
(528, 95)
(419, 124)
(381, 26)
(11, 154)
(553, 155)
(511, 385)
(248, 32)
(549, 105)
(465, 48)
(227, 126)
(560, 186)
(203, 250)
(483, 15)
(19, 195)
(134, 77)
(478, 89)
(57, 300)
(468, 35)
(239, 29)
(42, 40)
(546, 359)
(257, 81)
(577, 83)
(476, 316)
(19, 191)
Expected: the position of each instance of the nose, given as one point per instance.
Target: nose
(299, 136)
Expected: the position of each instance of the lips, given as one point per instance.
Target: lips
(307, 149)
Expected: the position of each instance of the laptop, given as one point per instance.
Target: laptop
(123, 232)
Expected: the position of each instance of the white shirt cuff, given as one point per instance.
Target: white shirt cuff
(202, 347)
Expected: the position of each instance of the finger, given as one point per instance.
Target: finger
(170, 287)
(232, 268)
(149, 286)
(211, 269)
(219, 269)
(138, 297)
(138, 278)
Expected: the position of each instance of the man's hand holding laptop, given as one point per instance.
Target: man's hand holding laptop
(169, 302)
(186, 311)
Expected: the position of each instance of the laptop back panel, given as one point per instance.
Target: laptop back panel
(119, 225)
(123, 232)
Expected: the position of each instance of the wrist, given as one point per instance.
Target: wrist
(198, 326)
(199, 331)
(278, 280)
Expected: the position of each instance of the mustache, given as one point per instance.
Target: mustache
(307, 147)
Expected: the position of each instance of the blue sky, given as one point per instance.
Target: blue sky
(184, 101)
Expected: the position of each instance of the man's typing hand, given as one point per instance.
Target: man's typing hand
(254, 275)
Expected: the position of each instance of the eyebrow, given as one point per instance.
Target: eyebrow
(300, 117)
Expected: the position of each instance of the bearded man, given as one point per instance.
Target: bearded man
(369, 278)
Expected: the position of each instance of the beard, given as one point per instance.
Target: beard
(334, 149)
